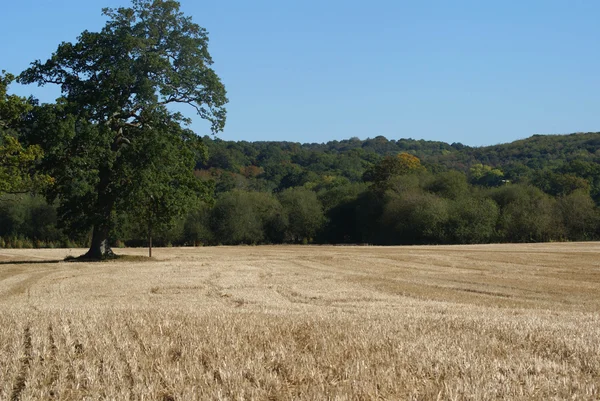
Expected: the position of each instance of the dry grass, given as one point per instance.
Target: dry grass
(468, 322)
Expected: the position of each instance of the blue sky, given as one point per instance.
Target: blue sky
(476, 72)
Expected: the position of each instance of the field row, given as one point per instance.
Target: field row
(430, 352)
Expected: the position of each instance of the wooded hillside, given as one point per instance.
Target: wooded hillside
(380, 191)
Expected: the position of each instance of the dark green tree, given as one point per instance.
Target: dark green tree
(304, 214)
(351, 213)
(117, 85)
(165, 187)
(450, 184)
(247, 218)
(527, 214)
(28, 216)
(414, 217)
(579, 215)
(558, 184)
(472, 220)
(196, 229)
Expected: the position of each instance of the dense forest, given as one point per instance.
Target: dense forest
(374, 191)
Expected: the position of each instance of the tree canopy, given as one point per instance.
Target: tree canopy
(17, 161)
(108, 131)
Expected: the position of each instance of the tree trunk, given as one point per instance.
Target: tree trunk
(149, 240)
(100, 247)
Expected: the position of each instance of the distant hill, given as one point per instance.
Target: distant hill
(536, 152)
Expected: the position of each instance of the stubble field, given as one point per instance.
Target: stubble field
(285, 322)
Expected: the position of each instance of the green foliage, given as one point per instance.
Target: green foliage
(472, 220)
(555, 183)
(197, 229)
(527, 215)
(579, 216)
(17, 174)
(28, 217)
(351, 214)
(403, 183)
(17, 162)
(241, 217)
(304, 214)
(13, 108)
(338, 195)
(576, 155)
(414, 217)
(351, 158)
(450, 184)
(390, 167)
(165, 187)
(485, 175)
(106, 138)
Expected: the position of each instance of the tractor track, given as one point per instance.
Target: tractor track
(25, 362)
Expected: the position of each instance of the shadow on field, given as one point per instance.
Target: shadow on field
(113, 258)
(79, 259)
(28, 262)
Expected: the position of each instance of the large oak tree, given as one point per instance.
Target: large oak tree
(113, 130)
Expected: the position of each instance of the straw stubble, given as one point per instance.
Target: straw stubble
(284, 322)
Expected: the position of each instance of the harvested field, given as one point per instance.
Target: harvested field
(287, 322)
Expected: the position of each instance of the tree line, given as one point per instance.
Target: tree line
(398, 201)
